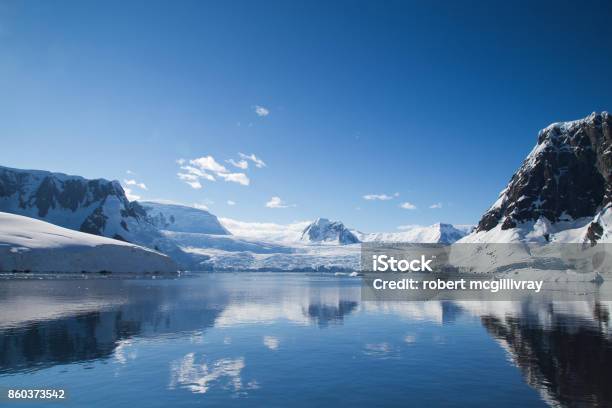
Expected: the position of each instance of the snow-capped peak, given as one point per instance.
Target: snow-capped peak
(324, 230)
(563, 185)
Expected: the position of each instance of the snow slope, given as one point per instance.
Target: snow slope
(437, 233)
(27, 244)
(95, 206)
(181, 218)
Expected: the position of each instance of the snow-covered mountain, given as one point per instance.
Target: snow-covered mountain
(94, 206)
(27, 244)
(436, 233)
(561, 193)
(323, 230)
(97, 207)
(180, 218)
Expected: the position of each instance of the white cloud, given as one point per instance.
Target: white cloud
(408, 206)
(380, 197)
(261, 111)
(230, 202)
(129, 172)
(436, 205)
(200, 206)
(197, 173)
(134, 183)
(241, 164)
(257, 161)
(208, 163)
(194, 184)
(191, 179)
(276, 202)
(197, 169)
(130, 196)
(239, 178)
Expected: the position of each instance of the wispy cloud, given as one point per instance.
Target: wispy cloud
(408, 206)
(239, 178)
(241, 164)
(261, 111)
(276, 202)
(191, 179)
(230, 202)
(135, 183)
(257, 161)
(436, 205)
(380, 197)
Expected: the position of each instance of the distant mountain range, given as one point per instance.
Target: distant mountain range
(436, 233)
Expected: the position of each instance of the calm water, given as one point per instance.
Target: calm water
(269, 340)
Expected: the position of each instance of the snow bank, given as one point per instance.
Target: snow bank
(27, 244)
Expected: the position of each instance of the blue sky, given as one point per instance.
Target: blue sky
(438, 102)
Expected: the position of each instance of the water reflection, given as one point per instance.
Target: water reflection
(563, 350)
(569, 361)
(198, 377)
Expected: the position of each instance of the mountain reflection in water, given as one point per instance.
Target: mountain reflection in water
(562, 350)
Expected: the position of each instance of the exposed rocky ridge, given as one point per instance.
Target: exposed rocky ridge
(324, 230)
(567, 176)
(70, 201)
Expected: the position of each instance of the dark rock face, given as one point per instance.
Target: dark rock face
(324, 230)
(568, 175)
